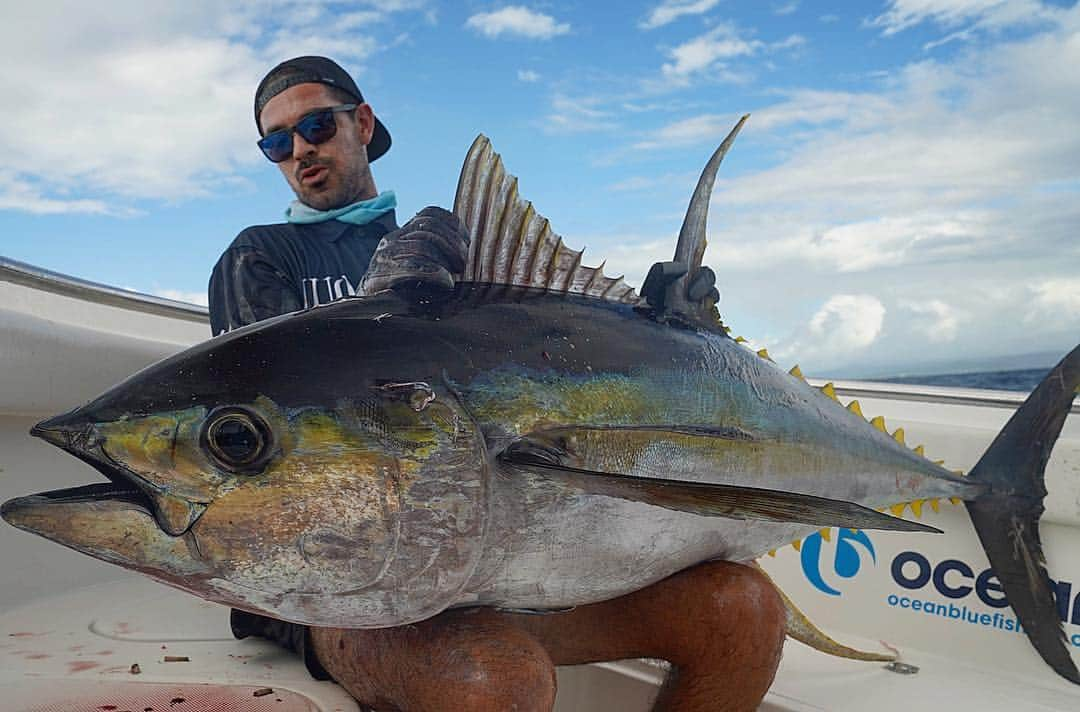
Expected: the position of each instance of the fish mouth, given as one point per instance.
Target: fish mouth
(79, 437)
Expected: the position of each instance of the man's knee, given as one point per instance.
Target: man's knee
(470, 657)
(725, 607)
(743, 590)
(497, 667)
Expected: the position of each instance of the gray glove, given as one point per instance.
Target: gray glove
(291, 636)
(427, 251)
(700, 288)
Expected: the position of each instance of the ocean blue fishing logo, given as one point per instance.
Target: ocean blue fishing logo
(846, 561)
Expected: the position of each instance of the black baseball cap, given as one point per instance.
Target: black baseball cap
(318, 70)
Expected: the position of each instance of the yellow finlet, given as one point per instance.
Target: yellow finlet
(855, 408)
(797, 372)
(740, 340)
(898, 509)
(879, 423)
(772, 552)
(956, 500)
(764, 353)
(797, 545)
(916, 507)
(935, 505)
(829, 390)
(920, 450)
(959, 472)
(898, 436)
(826, 534)
(939, 463)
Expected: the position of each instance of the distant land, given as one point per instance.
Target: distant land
(1039, 362)
(1018, 380)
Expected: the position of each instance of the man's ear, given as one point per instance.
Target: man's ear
(365, 123)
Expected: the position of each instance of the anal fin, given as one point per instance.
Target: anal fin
(802, 629)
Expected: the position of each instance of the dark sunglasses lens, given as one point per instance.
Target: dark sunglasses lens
(277, 146)
(317, 128)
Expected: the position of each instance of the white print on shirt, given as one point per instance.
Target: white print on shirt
(323, 290)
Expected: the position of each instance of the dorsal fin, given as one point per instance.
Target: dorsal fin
(690, 249)
(513, 244)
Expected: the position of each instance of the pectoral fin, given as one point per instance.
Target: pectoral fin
(710, 500)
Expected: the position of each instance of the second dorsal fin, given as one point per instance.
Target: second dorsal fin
(512, 244)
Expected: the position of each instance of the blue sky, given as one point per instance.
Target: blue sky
(907, 190)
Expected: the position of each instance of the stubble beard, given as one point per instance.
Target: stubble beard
(340, 188)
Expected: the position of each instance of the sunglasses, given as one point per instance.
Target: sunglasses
(315, 128)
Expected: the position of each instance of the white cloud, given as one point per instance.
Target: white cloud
(180, 295)
(1055, 298)
(703, 52)
(103, 113)
(671, 10)
(893, 240)
(979, 14)
(577, 115)
(850, 320)
(687, 132)
(786, 8)
(709, 54)
(528, 76)
(517, 20)
(843, 326)
(16, 193)
(934, 319)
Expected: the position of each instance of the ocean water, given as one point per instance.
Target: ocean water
(1017, 380)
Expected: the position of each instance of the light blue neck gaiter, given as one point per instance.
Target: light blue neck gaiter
(360, 213)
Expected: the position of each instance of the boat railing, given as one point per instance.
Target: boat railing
(46, 280)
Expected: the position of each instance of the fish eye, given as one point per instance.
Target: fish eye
(237, 439)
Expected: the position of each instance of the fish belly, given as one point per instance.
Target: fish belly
(568, 550)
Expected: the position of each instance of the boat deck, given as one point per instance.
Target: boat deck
(133, 644)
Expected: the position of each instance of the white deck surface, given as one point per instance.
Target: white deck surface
(86, 641)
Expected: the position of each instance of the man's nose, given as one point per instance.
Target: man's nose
(300, 147)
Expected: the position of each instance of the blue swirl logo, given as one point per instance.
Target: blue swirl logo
(846, 561)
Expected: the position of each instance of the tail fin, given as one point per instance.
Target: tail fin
(1007, 517)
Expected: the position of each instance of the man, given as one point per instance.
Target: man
(720, 624)
(322, 135)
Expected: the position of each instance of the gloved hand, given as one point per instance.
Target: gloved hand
(700, 288)
(428, 250)
(291, 636)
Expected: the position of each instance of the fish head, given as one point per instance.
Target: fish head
(358, 501)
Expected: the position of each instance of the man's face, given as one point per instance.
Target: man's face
(331, 174)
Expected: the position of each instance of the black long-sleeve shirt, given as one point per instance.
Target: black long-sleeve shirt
(276, 269)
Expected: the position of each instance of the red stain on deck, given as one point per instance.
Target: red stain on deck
(102, 652)
(38, 656)
(23, 635)
(81, 665)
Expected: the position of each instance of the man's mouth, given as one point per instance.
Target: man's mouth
(312, 174)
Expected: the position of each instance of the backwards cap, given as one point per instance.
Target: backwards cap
(318, 70)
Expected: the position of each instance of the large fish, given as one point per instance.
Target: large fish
(537, 439)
